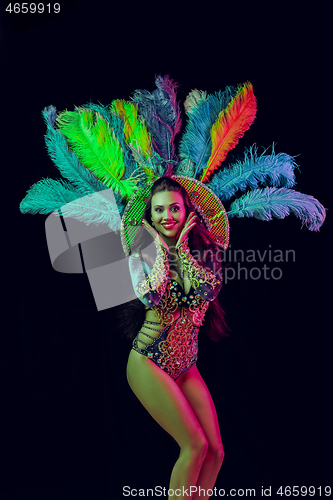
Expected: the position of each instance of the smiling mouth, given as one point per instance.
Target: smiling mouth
(168, 226)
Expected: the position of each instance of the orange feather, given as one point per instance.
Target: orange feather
(230, 126)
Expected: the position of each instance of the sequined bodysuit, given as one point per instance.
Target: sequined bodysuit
(175, 349)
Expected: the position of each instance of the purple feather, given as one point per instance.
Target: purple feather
(50, 115)
(161, 114)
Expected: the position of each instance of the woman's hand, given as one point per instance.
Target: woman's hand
(187, 227)
(155, 234)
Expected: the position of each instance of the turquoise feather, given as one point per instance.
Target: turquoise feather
(271, 202)
(66, 160)
(49, 195)
(46, 196)
(275, 170)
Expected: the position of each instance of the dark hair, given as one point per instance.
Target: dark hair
(201, 240)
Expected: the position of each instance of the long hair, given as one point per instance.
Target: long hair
(200, 240)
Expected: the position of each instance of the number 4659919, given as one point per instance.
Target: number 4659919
(26, 8)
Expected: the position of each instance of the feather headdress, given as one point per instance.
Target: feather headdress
(129, 144)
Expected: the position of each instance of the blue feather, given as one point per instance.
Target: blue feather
(274, 170)
(196, 142)
(271, 202)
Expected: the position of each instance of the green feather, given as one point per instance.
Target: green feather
(96, 146)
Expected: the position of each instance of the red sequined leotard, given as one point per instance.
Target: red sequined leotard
(175, 349)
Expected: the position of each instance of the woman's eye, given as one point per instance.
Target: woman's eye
(175, 209)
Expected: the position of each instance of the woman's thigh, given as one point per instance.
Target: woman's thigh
(198, 396)
(164, 400)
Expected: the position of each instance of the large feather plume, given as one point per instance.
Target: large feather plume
(195, 145)
(161, 113)
(230, 126)
(274, 170)
(46, 196)
(49, 195)
(132, 169)
(91, 210)
(271, 202)
(66, 160)
(136, 135)
(193, 100)
(97, 148)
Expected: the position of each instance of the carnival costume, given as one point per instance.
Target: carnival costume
(124, 148)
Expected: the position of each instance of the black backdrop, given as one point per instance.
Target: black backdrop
(72, 428)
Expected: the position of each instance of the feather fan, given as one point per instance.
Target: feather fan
(230, 126)
(97, 148)
(274, 169)
(271, 202)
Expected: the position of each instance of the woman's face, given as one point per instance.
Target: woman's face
(168, 213)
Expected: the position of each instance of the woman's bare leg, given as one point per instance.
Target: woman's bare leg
(166, 403)
(197, 394)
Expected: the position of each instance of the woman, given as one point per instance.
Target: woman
(161, 368)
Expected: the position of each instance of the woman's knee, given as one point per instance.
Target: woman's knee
(197, 447)
(215, 453)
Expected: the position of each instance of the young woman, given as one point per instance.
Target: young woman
(176, 292)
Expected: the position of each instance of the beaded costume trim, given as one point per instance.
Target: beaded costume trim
(175, 350)
(158, 276)
(195, 272)
(179, 351)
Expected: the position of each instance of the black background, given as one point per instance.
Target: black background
(71, 426)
